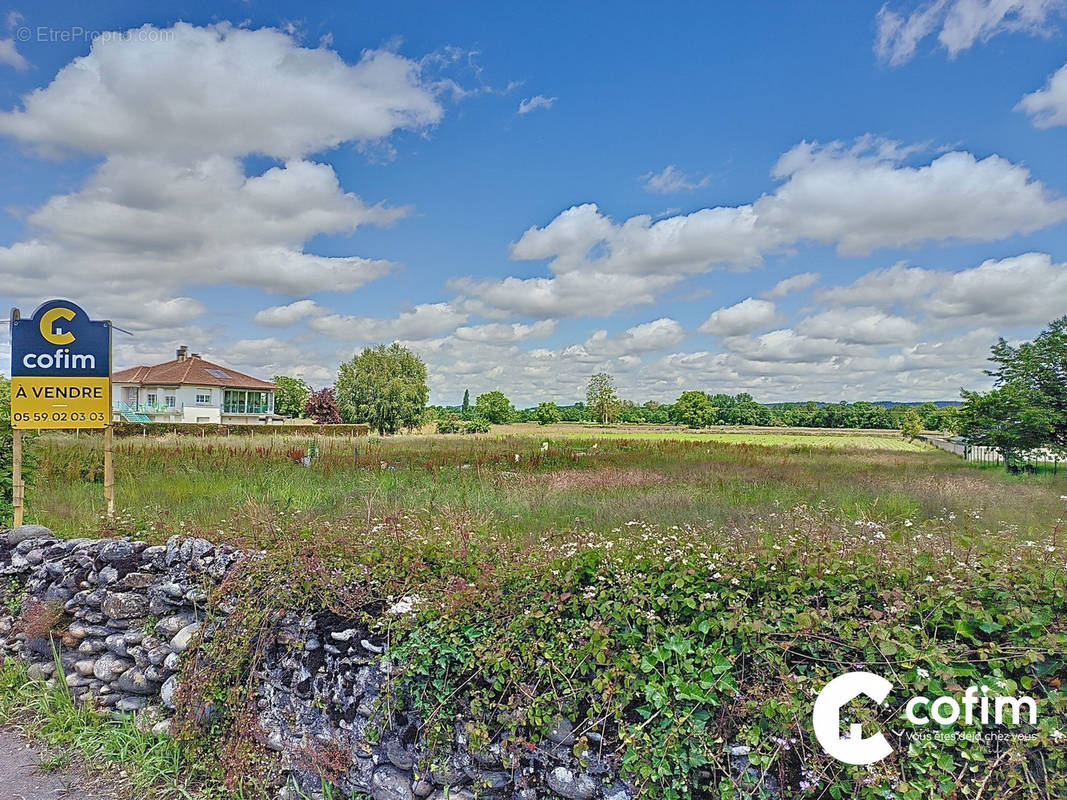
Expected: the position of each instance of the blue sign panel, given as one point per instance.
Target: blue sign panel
(60, 341)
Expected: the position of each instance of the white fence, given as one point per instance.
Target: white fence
(969, 452)
(990, 455)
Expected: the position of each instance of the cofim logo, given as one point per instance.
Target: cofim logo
(826, 718)
(944, 710)
(52, 333)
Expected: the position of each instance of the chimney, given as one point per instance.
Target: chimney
(182, 352)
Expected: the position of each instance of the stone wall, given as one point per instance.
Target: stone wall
(117, 615)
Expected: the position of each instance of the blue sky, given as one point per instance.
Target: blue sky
(529, 194)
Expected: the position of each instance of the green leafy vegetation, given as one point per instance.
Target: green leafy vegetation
(911, 425)
(681, 645)
(493, 407)
(1027, 409)
(384, 387)
(548, 414)
(694, 409)
(601, 398)
(291, 396)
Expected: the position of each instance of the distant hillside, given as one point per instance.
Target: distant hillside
(883, 403)
(938, 403)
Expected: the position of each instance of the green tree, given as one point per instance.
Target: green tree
(631, 413)
(949, 420)
(384, 386)
(1008, 418)
(694, 409)
(657, 413)
(1039, 370)
(493, 407)
(291, 396)
(466, 407)
(548, 413)
(911, 424)
(601, 398)
(931, 416)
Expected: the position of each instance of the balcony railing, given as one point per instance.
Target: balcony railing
(146, 408)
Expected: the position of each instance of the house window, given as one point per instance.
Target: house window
(170, 401)
(203, 398)
(151, 398)
(236, 401)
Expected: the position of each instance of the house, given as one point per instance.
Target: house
(190, 389)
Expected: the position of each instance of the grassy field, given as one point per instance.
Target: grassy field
(676, 593)
(527, 480)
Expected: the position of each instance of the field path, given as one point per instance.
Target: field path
(21, 776)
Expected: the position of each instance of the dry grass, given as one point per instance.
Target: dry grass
(599, 480)
(41, 618)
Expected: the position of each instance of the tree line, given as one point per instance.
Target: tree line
(385, 387)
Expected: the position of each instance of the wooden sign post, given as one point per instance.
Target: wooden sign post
(60, 378)
(109, 473)
(16, 476)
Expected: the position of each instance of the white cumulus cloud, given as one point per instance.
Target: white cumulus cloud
(173, 112)
(424, 321)
(859, 197)
(794, 283)
(1047, 107)
(220, 90)
(504, 333)
(744, 317)
(860, 326)
(288, 315)
(659, 334)
(1028, 289)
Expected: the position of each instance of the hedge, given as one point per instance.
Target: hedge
(211, 429)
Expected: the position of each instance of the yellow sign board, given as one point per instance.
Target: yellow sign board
(60, 402)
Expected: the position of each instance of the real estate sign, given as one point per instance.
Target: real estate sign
(60, 369)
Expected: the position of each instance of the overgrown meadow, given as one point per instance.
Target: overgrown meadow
(680, 598)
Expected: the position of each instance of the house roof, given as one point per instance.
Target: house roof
(191, 370)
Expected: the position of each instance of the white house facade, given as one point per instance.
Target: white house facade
(190, 389)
